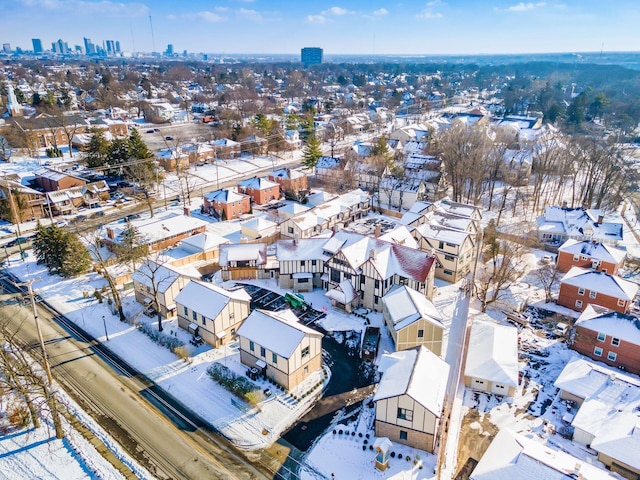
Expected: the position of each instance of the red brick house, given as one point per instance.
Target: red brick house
(260, 190)
(289, 180)
(580, 287)
(53, 180)
(227, 203)
(589, 254)
(609, 337)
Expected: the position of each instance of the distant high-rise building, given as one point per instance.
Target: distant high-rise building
(6, 47)
(169, 50)
(118, 46)
(111, 47)
(37, 45)
(311, 56)
(89, 48)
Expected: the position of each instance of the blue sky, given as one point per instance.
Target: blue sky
(354, 26)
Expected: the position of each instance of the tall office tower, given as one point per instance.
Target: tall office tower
(111, 47)
(89, 48)
(311, 56)
(37, 45)
(118, 46)
(6, 47)
(169, 50)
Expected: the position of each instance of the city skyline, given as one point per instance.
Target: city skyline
(350, 27)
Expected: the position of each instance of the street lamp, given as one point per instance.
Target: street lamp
(105, 328)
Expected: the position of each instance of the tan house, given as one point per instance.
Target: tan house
(277, 344)
(453, 248)
(492, 359)
(607, 416)
(156, 286)
(243, 260)
(410, 397)
(212, 312)
(412, 320)
(301, 263)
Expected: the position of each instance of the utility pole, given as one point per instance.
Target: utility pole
(48, 385)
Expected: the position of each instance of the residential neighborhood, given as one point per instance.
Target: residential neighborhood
(347, 273)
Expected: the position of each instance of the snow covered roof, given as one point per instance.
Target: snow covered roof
(150, 273)
(442, 234)
(405, 305)
(54, 175)
(578, 222)
(287, 173)
(260, 183)
(161, 226)
(225, 195)
(399, 235)
(243, 252)
(293, 209)
(302, 249)
(344, 293)
(514, 456)
(611, 409)
(280, 332)
(600, 282)
(493, 353)
(418, 373)
(208, 299)
(258, 224)
(203, 242)
(611, 323)
(596, 250)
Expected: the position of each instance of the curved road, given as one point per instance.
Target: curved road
(174, 446)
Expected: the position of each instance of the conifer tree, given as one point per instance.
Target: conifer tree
(311, 152)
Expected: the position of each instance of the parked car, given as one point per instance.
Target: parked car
(18, 241)
(168, 137)
(133, 216)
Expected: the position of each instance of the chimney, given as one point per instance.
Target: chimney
(111, 233)
(187, 212)
(372, 254)
(600, 219)
(565, 205)
(296, 237)
(378, 231)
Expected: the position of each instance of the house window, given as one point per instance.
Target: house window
(602, 336)
(420, 333)
(302, 262)
(233, 332)
(404, 414)
(194, 315)
(204, 321)
(305, 352)
(186, 311)
(578, 303)
(335, 275)
(441, 245)
(303, 280)
(448, 272)
(232, 315)
(376, 284)
(597, 351)
(615, 342)
(403, 435)
(290, 229)
(576, 258)
(581, 291)
(448, 258)
(375, 299)
(620, 302)
(251, 345)
(592, 294)
(611, 356)
(585, 258)
(313, 263)
(274, 358)
(263, 352)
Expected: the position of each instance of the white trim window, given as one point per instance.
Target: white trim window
(597, 351)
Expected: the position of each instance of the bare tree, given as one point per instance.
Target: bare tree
(159, 279)
(502, 265)
(547, 276)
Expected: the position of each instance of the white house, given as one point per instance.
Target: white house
(492, 358)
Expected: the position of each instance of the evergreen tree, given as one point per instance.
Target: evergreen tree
(76, 259)
(262, 123)
(97, 149)
(118, 152)
(131, 248)
(137, 148)
(61, 251)
(311, 152)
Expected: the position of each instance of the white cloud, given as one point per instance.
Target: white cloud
(380, 12)
(429, 12)
(211, 17)
(522, 7)
(315, 19)
(250, 14)
(337, 11)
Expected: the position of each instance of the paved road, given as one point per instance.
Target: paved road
(174, 447)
